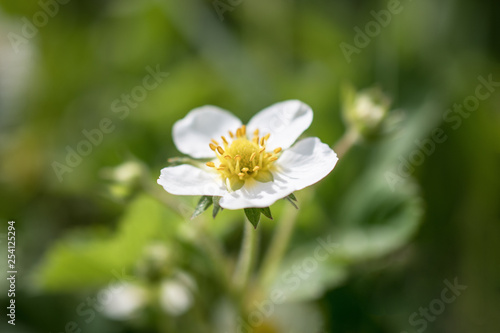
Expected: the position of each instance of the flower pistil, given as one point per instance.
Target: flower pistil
(240, 159)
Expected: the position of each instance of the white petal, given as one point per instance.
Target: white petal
(285, 121)
(307, 162)
(193, 133)
(189, 180)
(257, 194)
(304, 164)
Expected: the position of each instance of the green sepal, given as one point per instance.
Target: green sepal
(292, 199)
(217, 207)
(253, 215)
(204, 203)
(267, 212)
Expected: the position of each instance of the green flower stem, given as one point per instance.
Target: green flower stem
(278, 247)
(247, 256)
(346, 142)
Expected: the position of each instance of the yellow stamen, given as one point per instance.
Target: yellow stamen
(242, 158)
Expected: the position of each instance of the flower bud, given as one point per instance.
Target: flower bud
(127, 172)
(123, 178)
(365, 111)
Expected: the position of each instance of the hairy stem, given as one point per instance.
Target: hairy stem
(247, 257)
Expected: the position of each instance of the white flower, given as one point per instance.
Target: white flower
(175, 297)
(252, 166)
(125, 302)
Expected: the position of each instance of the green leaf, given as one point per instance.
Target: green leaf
(371, 222)
(91, 258)
(253, 215)
(292, 196)
(267, 212)
(203, 204)
(217, 207)
(374, 221)
(308, 286)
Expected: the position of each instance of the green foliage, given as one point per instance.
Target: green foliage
(67, 75)
(77, 262)
(373, 222)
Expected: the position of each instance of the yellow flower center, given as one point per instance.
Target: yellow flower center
(243, 159)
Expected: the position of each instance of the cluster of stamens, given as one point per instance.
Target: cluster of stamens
(242, 158)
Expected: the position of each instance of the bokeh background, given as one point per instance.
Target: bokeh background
(398, 241)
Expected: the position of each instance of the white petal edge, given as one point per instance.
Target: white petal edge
(192, 134)
(285, 121)
(306, 163)
(256, 195)
(189, 180)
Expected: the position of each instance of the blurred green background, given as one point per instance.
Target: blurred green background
(398, 242)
